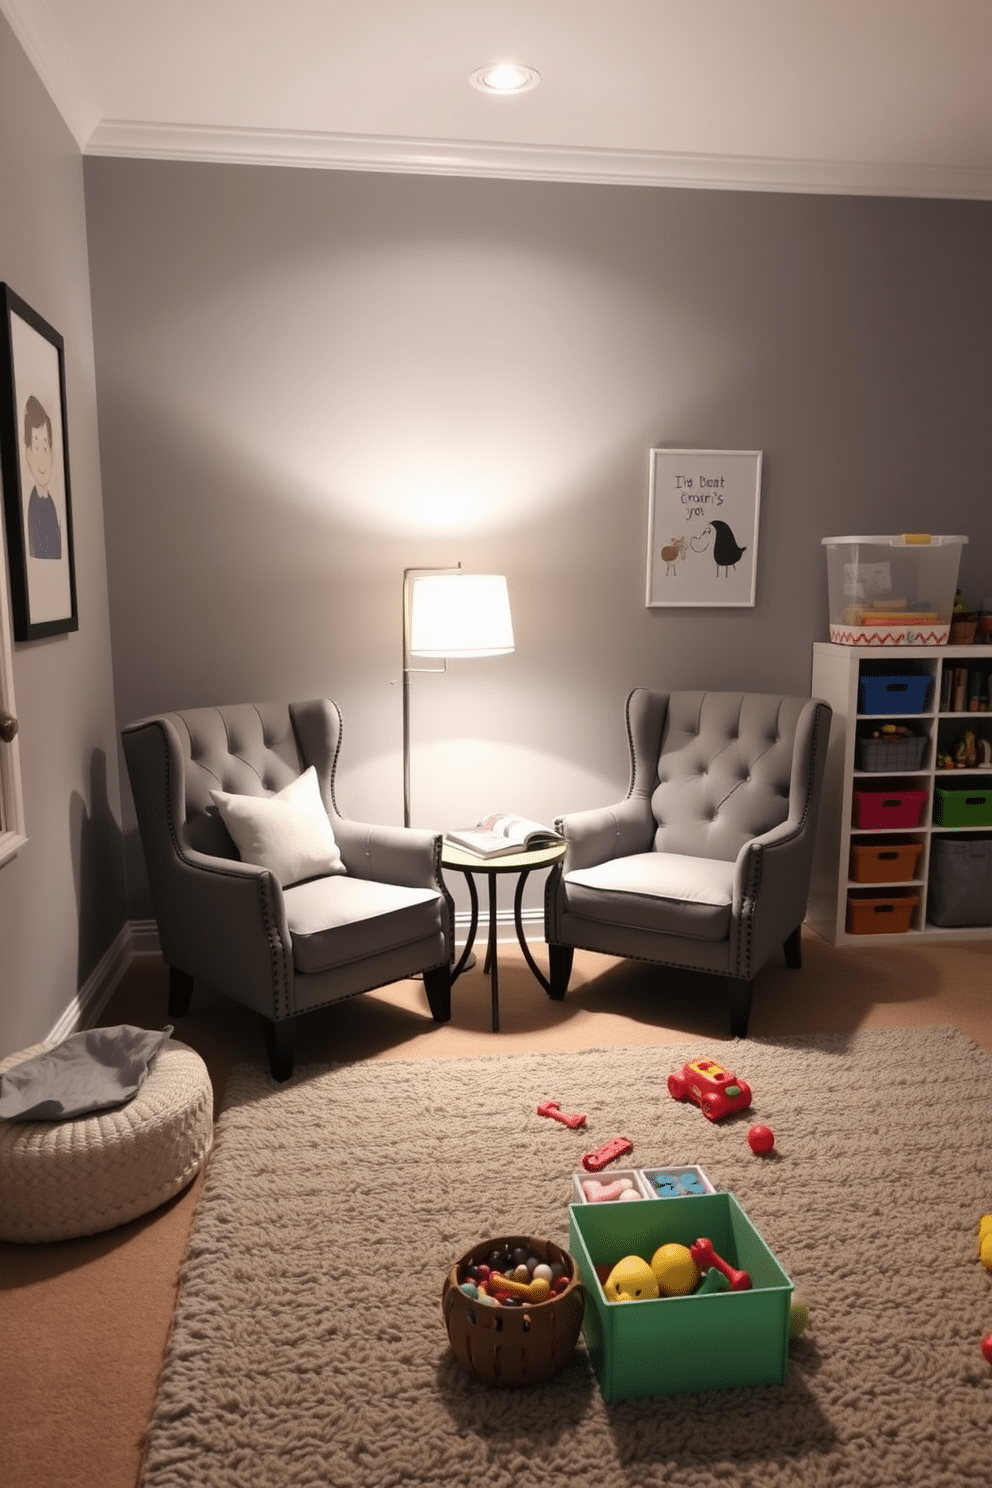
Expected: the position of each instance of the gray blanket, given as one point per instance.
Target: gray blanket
(90, 1071)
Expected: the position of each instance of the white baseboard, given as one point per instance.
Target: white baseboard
(94, 994)
(140, 938)
(144, 938)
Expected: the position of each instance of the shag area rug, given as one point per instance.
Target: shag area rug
(309, 1349)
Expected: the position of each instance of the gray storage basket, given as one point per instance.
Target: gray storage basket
(891, 752)
(960, 881)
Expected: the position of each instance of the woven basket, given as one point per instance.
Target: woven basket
(892, 752)
(513, 1345)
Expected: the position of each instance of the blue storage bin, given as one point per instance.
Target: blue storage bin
(893, 692)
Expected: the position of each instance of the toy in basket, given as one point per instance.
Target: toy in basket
(521, 1344)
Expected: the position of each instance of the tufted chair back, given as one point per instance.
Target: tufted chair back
(249, 749)
(705, 864)
(716, 767)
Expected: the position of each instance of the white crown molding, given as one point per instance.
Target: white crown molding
(45, 46)
(126, 138)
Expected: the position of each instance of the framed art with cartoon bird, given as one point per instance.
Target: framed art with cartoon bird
(702, 527)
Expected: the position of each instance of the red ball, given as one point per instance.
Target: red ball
(761, 1139)
(987, 1347)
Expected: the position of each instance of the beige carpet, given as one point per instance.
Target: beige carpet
(309, 1347)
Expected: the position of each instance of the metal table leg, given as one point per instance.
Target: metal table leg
(492, 965)
(465, 960)
(518, 900)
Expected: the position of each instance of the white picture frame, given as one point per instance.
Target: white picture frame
(702, 508)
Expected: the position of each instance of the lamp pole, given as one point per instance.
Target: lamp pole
(407, 670)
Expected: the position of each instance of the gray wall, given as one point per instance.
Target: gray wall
(309, 380)
(62, 897)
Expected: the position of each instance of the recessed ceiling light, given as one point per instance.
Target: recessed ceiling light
(505, 77)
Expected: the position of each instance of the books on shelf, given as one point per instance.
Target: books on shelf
(500, 834)
(964, 689)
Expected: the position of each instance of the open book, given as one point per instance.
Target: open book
(500, 834)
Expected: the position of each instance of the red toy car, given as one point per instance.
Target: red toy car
(715, 1090)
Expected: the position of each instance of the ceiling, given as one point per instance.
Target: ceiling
(882, 97)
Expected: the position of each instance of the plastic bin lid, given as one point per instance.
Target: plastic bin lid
(901, 540)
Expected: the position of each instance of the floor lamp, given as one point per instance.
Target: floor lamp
(447, 614)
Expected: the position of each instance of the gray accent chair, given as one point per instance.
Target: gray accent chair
(281, 951)
(705, 865)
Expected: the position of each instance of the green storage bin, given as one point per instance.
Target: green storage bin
(678, 1345)
(963, 807)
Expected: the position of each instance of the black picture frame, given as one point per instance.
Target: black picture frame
(34, 466)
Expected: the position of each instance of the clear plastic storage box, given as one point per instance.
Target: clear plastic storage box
(892, 591)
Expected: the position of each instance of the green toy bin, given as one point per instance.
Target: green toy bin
(678, 1345)
(963, 808)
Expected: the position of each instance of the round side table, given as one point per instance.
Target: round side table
(520, 863)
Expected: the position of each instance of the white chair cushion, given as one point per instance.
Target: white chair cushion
(328, 919)
(669, 893)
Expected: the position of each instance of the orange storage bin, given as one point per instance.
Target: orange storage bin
(887, 862)
(880, 916)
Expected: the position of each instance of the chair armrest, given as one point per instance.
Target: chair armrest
(409, 856)
(605, 832)
(774, 856)
(771, 887)
(226, 923)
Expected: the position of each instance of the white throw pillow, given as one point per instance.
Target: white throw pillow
(288, 833)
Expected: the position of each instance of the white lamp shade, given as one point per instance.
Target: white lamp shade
(458, 614)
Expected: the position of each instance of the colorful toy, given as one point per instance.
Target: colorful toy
(705, 1256)
(595, 1162)
(760, 1139)
(605, 1193)
(631, 1279)
(987, 1347)
(537, 1290)
(985, 1240)
(713, 1281)
(513, 1279)
(675, 1270)
(714, 1090)
(798, 1317)
(671, 1184)
(572, 1119)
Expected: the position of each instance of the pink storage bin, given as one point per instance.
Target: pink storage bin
(880, 809)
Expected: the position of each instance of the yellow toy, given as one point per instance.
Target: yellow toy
(985, 1240)
(798, 1317)
(630, 1280)
(675, 1271)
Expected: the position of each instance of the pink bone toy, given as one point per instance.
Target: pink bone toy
(705, 1256)
(602, 1193)
(571, 1119)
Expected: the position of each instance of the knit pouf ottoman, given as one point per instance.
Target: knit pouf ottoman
(60, 1179)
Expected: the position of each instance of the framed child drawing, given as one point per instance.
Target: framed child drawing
(703, 527)
(34, 462)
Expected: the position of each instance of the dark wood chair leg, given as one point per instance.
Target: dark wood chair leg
(559, 970)
(793, 949)
(740, 1006)
(437, 985)
(280, 1040)
(180, 992)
